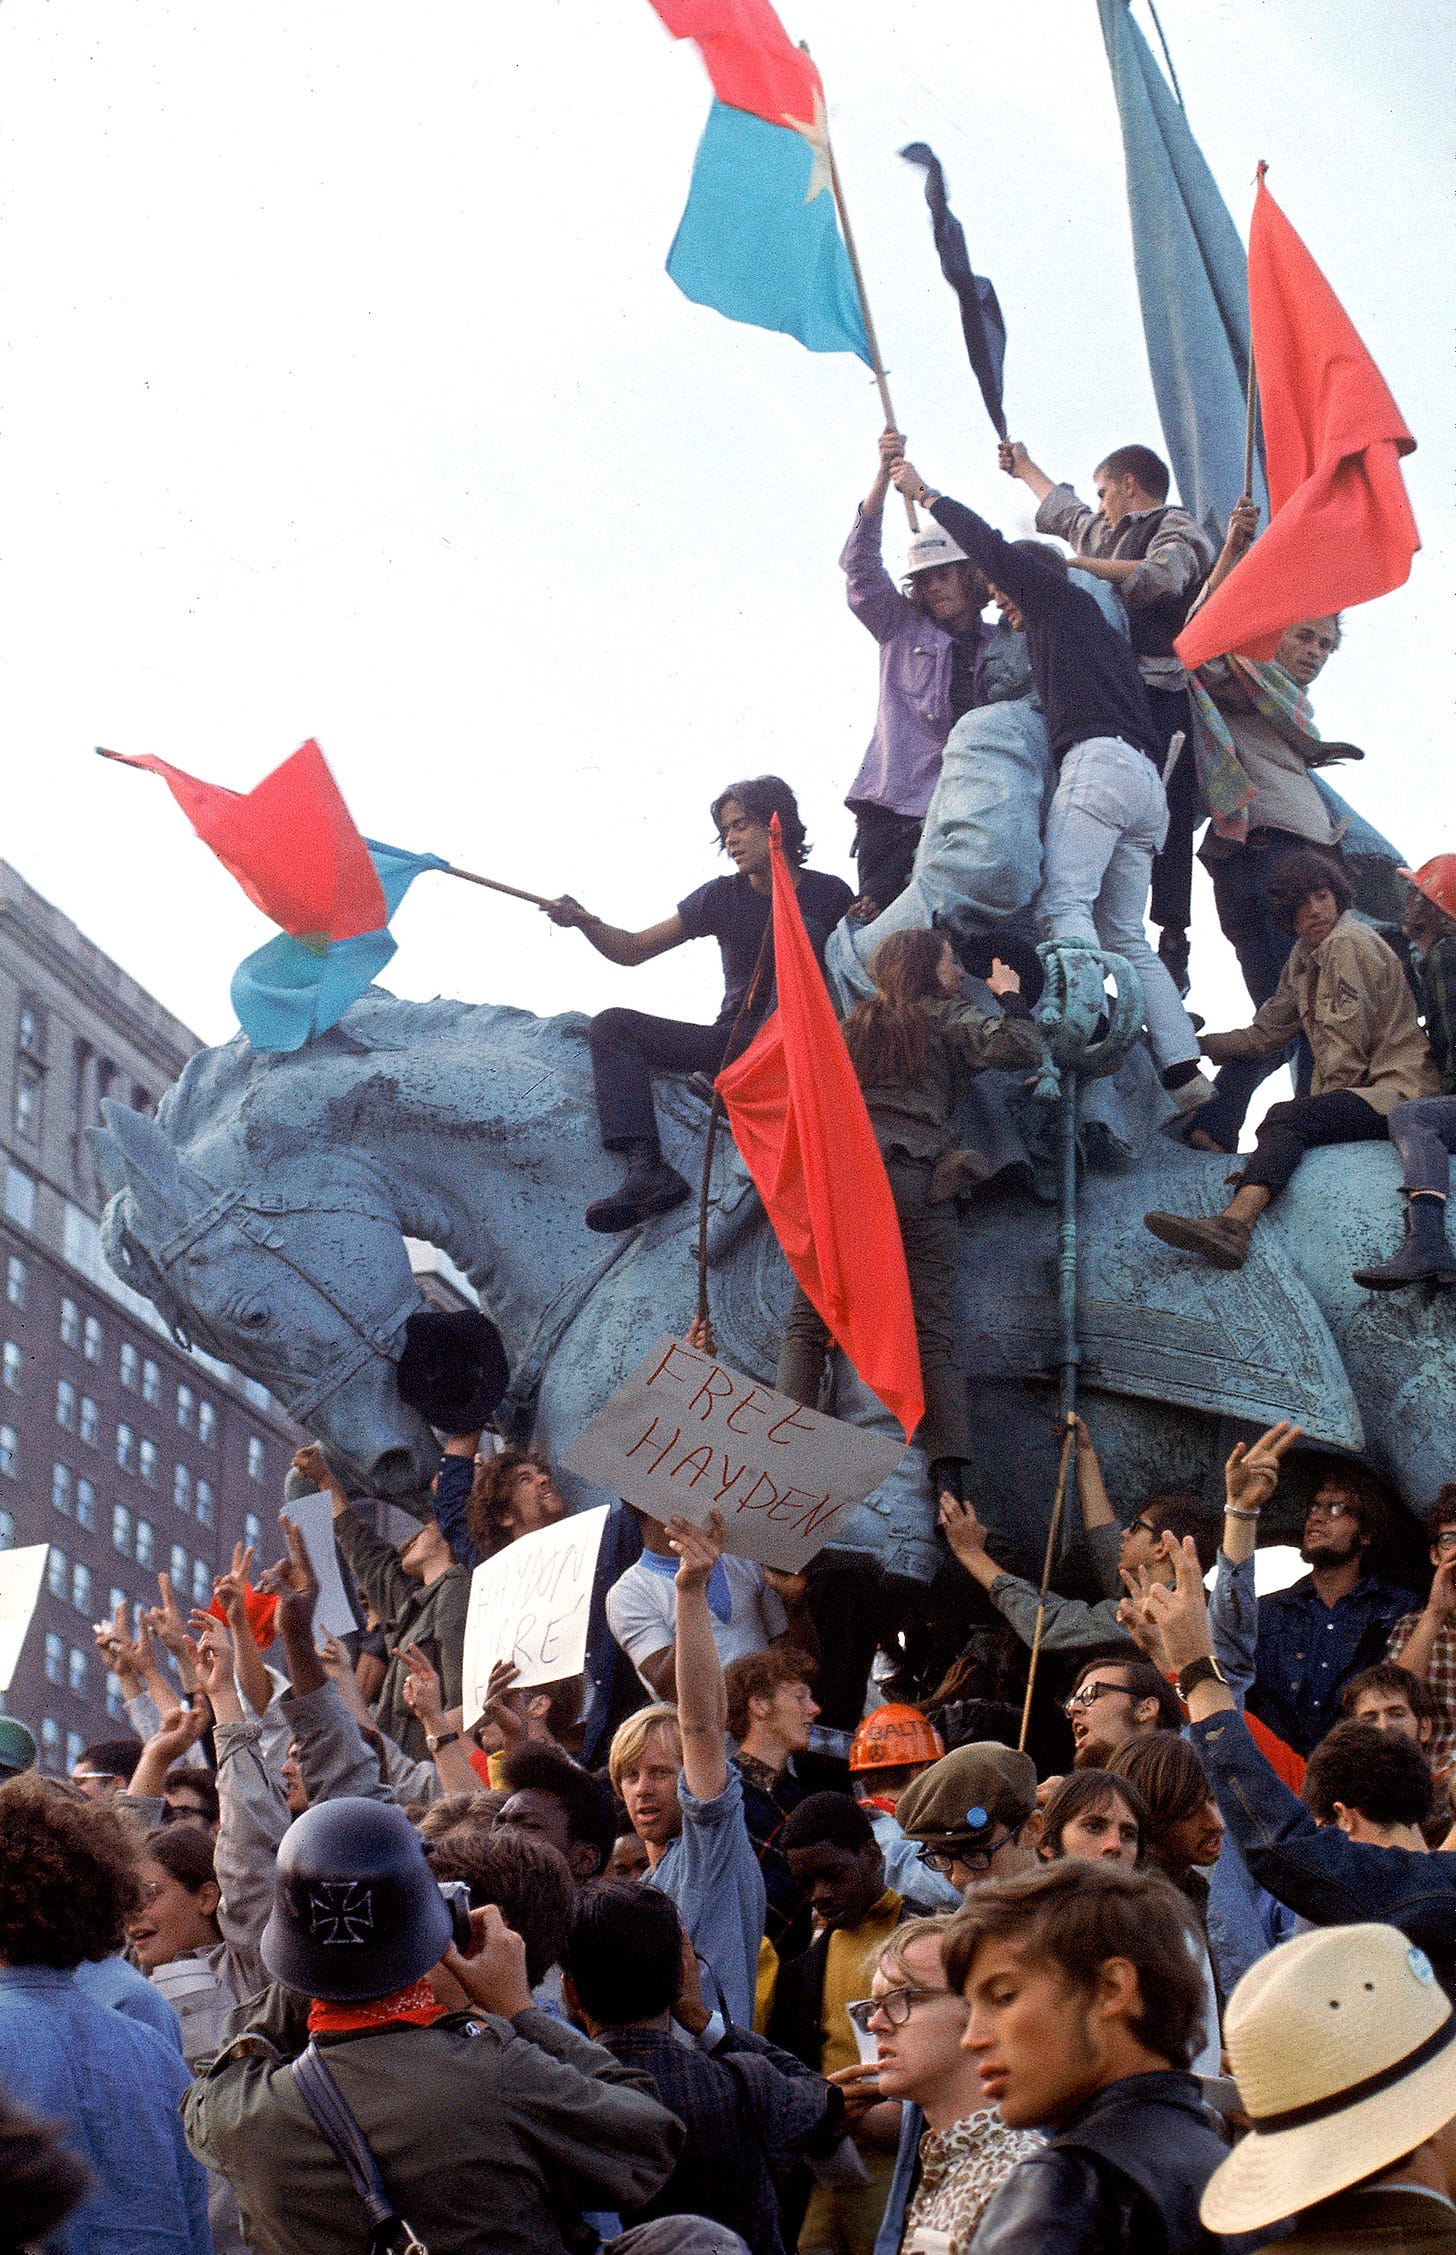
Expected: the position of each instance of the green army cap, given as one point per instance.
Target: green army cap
(962, 1797)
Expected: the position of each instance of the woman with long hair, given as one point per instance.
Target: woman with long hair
(915, 1043)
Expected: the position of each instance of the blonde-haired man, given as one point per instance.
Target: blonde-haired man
(683, 1798)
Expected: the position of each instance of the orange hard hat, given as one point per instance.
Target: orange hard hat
(892, 1737)
(1437, 880)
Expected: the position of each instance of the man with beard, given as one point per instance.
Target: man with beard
(1115, 1700)
(1335, 1620)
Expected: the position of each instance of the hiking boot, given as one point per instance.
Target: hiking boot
(1223, 1242)
(1424, 1258)
(650, 1186)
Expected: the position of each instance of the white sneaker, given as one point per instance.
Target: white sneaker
(1193, 1095)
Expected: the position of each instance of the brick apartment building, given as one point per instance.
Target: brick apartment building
(121, 1451)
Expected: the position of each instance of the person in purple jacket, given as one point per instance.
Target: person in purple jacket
(931, 641)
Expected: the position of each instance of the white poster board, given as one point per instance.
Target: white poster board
(530, 1605)
(21, 1574)
(685, 1434)
(314, 1517)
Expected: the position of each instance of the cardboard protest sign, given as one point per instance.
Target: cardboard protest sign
(21, 1574)
(529, 1605)
(686, 1434)
(314, 1517)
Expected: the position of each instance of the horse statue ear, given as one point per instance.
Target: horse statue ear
(133, 1153)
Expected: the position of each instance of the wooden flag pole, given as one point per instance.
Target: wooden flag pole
(537, 900)
(864, 304)
(1068, 1443)
(1251, 400)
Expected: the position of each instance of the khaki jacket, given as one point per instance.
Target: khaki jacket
(1352, 1000)
(487, 2132)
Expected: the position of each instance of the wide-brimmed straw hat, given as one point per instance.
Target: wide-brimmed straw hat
(1343, 2047)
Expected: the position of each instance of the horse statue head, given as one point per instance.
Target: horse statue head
(297, 1274)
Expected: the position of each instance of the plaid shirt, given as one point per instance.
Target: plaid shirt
(1436, 989)
(1441, 1679)
(742, 2121)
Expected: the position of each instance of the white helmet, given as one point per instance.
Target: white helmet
(931, 549)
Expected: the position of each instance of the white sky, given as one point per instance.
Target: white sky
(345, 395)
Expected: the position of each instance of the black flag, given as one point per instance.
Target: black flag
(981, 321)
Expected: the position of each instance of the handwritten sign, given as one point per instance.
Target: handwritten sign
(530, 1605)
(21, 1574)
(313, 1515)
(687, 1434)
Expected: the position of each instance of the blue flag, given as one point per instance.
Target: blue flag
(288, 991)
(1192, 278)
(760, 241)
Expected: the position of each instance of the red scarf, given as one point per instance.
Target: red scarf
(416, 2005)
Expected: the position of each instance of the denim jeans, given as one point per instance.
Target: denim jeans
(1423, 1131)
(1108, 818)
(1246, 914)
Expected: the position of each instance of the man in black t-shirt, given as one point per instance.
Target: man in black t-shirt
(628, 1047)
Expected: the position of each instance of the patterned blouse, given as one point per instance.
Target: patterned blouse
(960, 2168)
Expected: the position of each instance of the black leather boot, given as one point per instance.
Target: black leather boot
(1424, 1258)
(650, 1186)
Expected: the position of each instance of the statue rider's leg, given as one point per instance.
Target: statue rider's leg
(1171, 900)
(930, 1234)
(803, 1352)
(1106, 819)
(1246, 917)
(1424, 1133)
(627, 1047)
(1286, 1132)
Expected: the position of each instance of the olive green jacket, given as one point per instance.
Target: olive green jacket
(487, 2132)
(964, 1040)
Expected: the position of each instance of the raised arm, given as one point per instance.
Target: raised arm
(1415, 1652)
(1242, 526)
(230, 1591)
(1017, 463)
(702, 1703)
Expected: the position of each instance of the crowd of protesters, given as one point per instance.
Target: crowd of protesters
(1113, 1916)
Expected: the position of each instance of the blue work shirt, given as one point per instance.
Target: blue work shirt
(711, 1872)
(115, 2086)
(116, 1982)
(1309, 1650)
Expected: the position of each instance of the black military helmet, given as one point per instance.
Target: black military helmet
(357, 1912)
(453, 1369)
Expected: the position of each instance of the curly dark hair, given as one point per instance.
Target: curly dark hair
(1382, 1776)
(1300, 874)
(490, 1495)
(68, 1876)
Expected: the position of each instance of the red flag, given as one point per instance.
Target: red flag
(798, 1117)
(1340, 529)
(290, 842)
(753, 63)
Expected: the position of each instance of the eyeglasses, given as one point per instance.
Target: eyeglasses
(944, 1860)
(1330, 1511)
(1142, 1527)
(896, 2006)
(1087, 1695)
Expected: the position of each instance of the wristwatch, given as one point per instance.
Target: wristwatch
(445, 1738)
(1205, 1669)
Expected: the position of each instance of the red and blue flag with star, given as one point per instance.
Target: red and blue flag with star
(759, 240)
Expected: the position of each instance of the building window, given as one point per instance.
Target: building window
(184, 1408)
(32, 1041)
(121, 1527)
(92, 1341)
(81, 1587)
(66, 1404)
(19, 1196)
(76, 1672)
(15, 1281)
(9, 1451)
(126, 1448)
(179, 1565)
(201, 1581)
(58, 1572)
(207, 1424)
(252, 1530)
(151, 1382)
(7, 1529)
(85, 1505)
(50, 1742)
(61, 1487)
(146, 1543)
(147, 1462)
(75, 1748)
(115, 1704)
(70, 1324)
(204, 1503)
(55, 1658)
(29, 1085)
(119, 1597)
(182, 1488)
(130, 1363)
(256, 1465)
(10, 1366)
(90, 1424)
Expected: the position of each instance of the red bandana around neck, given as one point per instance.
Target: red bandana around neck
(415, 2005)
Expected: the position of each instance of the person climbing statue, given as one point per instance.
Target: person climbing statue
(627, 1046)
(914, 1044)
(1424, 1129)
